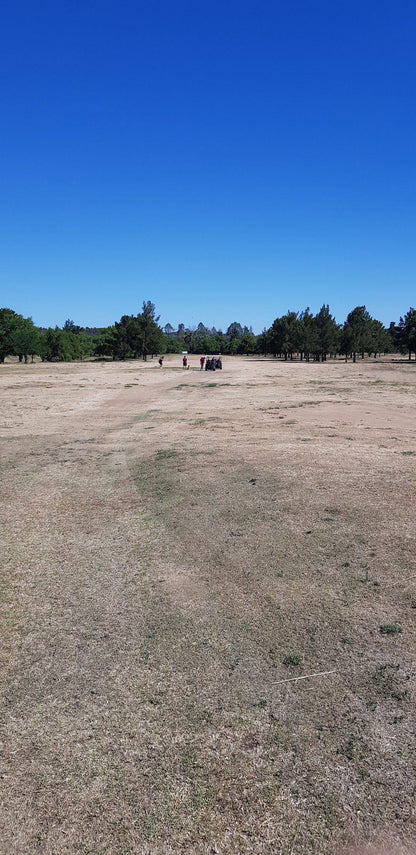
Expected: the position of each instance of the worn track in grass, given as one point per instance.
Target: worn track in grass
(174, 551)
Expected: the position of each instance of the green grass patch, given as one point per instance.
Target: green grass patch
(390, 629)
(292, 659)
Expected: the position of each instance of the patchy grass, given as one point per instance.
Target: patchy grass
(292, 659)
(165, 591)
(390, 629)
(166, 453)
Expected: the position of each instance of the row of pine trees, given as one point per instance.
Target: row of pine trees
(296, 334)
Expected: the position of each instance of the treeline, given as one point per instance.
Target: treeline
(131, 337)
(318, 336)
(237, 339)
(308, 336)
(304, 334)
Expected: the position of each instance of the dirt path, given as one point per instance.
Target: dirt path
(176, 544)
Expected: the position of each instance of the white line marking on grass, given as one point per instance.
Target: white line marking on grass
(305, 677)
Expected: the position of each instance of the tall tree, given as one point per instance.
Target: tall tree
(308, 334)
(356, 332)
(378, 339)
(138, 335)
(123, 344)
(235, 330)
(18, 335)
(327, 332)
(26, 339)
(407, 328)
(70, 326)
(247, 343)
(151, 334)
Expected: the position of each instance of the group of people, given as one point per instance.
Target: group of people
(210, 363)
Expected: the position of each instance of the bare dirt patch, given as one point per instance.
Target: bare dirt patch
(177, 556)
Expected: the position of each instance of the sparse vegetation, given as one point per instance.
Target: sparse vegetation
(194, 658)
(390, 628)
(166, 453)
(292, 659)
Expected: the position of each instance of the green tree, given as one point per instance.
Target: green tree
(26, 339)
(356, 332)
(124, 344)
(292, 333)
(70, 326)
(103, 342)
(264, 342)
(172, 344)
(138, 335)
(61, 345)
(247, 343)
(275, 337)
(151, 334)
(327, 332)
(18, 336)
(9, 324)
(235, 330)
(378, 339)
(308, 334)
(407, 332)
(283, 337)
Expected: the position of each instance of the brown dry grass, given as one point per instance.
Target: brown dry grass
(177, 546)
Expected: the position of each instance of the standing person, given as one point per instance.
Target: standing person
(161, 358)
(185, 362)
(202, 362)
(219, 362)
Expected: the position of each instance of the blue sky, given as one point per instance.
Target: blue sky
(228, 161)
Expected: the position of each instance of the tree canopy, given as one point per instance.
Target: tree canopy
(295, 334)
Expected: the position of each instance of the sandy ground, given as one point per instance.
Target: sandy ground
(179, 547)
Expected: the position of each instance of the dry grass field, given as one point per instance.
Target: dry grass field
(180, 549)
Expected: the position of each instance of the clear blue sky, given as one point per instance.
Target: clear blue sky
(227, 160)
